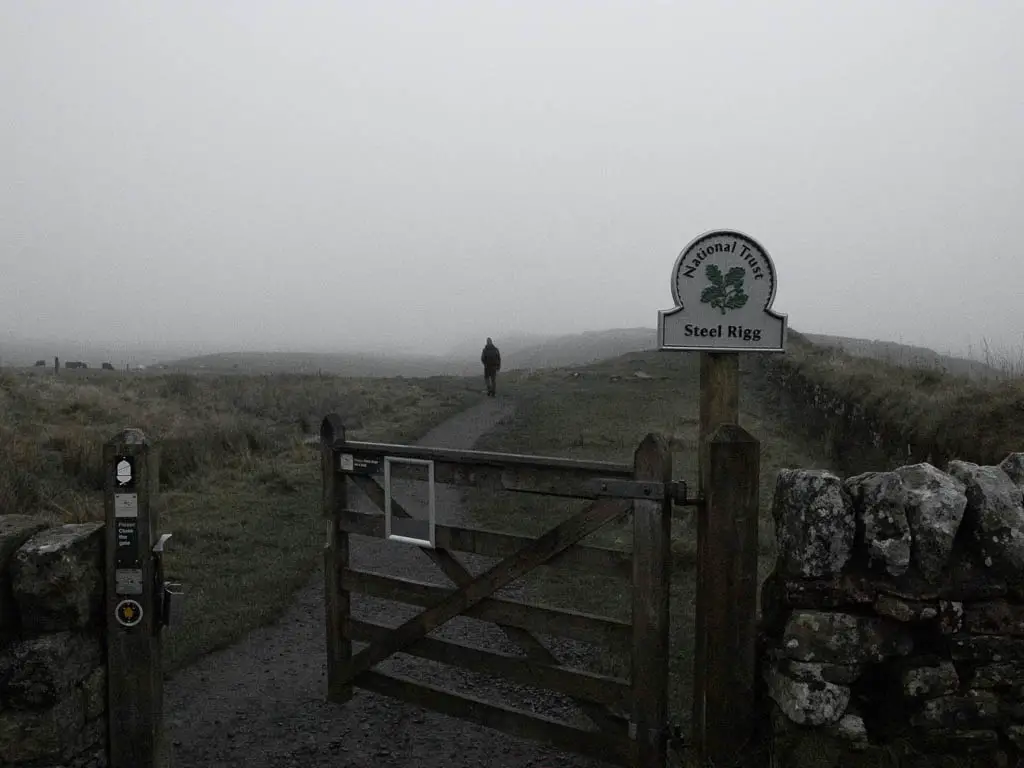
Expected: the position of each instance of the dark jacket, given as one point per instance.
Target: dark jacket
(491, 358)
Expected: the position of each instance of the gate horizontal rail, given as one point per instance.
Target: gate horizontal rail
(600, 689)
(612, 747)
(594, 560)
(603, 561)
(487, 458)
(563, 478)
(560, 622)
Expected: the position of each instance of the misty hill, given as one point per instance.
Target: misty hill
(905, 355)
(510, 344)
(579, 349)
(517, 351)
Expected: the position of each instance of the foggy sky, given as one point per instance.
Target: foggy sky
(317, 175)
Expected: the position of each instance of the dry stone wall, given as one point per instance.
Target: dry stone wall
(894, 618)
(52, 654)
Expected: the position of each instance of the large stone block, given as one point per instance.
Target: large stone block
(851, 729)
(880, 503)
(981, 743)
(28, 735)
(1013, 466)
(814, 522)
(986, 649)
(94, 689)
(905, 610)
(809, 700)
(929, 682)
(935, 510)
(994, 516)
(57, 578)
(951, 617)
(845, 591)
(967, 711)
(41, 670)
(1003, 675)
(15, 530)
(968, 580)
(812, 671)
(994, 617)
(842, 638)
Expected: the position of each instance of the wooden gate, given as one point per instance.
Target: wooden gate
(628, 715)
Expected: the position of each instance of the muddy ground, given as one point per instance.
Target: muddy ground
(262, 702)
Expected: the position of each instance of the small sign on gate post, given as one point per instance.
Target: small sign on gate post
(723, 283)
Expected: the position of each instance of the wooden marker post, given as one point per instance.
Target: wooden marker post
(133, 593)
(719, 400)
(719, 404)
(723, 702)
(724, 285)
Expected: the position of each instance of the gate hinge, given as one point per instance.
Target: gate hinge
(639, 489)
(653, 735)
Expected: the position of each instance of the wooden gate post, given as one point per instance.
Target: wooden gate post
(719, 401)
(719, 404)
(338, 606)
(133, 594)
(652, 539)
(727, 625)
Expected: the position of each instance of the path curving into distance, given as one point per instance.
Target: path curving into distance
(262, 702)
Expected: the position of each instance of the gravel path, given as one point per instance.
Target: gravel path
(262, 702)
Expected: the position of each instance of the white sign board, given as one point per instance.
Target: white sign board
(126, 505)
(723, 284)
(410, 530)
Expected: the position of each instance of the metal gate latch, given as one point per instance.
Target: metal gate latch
(168, 594)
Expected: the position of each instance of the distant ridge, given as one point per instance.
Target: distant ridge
(905, 355)
(519, 351)
(354, 364)
(581, 348)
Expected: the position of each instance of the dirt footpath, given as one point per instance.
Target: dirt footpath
(261, 703)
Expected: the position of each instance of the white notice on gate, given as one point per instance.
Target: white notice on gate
(126, 505)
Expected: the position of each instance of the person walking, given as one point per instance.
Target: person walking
(491, 358)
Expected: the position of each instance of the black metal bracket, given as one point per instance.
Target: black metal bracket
(612, 488)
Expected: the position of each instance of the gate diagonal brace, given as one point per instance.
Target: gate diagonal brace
(612, 488)
(552, 543)
(599, 715)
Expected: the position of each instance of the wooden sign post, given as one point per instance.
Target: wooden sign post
(133, 605)
(723, 284)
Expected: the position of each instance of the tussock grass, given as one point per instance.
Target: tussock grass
(239, 488)
(920, 414)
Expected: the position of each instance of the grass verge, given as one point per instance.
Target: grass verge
(870, 411)
(239, 487)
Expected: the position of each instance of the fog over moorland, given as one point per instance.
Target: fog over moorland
(405, 176)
